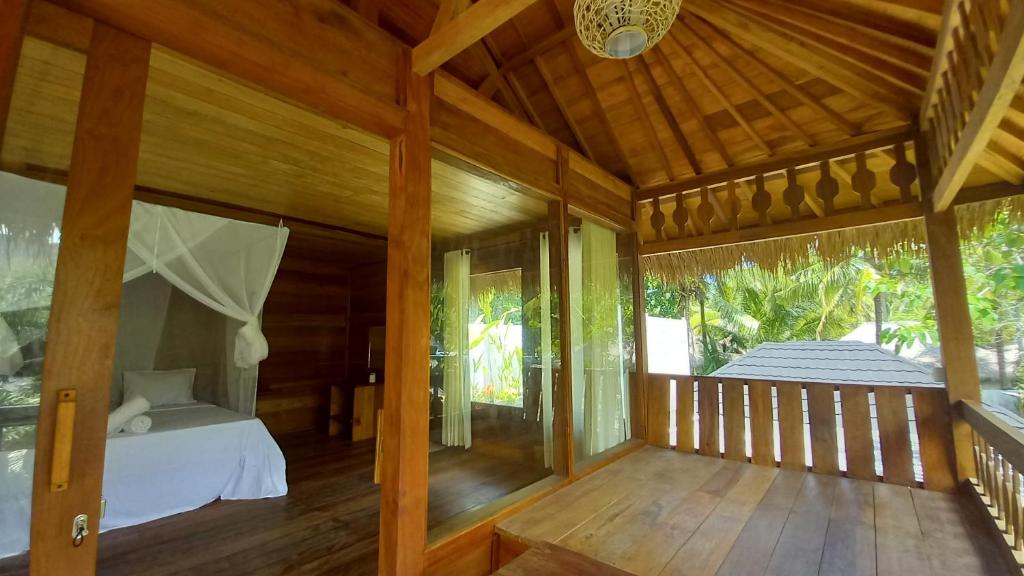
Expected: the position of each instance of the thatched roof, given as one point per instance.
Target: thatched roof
(882, 240)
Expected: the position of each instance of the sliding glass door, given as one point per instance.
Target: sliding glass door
(45, 99)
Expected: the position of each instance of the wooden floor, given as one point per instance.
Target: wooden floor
(327, 524)
(661, 512)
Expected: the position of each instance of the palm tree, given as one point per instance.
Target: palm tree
(750, 305)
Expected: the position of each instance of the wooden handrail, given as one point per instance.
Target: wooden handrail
(996, 432)
(804, 383)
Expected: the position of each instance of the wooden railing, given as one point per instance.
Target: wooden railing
(736, 205)
(977, 68)
(999, 460)
(894, 434)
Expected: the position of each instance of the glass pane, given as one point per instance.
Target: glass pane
(602, 328)
(494, 346)
(37, 146)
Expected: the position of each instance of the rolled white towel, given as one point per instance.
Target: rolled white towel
(135, 406)
(139, 424)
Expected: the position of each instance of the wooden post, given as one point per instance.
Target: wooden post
(558, 216)
(639, 334)
(403, 500)
(956, 334)
(11, 31)
(87, 295)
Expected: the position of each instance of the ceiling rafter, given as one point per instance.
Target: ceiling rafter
(462, 31)
(634, 95)
(489, 84)
(914, 36)
(689, 103)
(671, 120)
(792, 48)
(761, 97)
(722, 98)
(904, 82)
(550, 82)
(851, 39)
(487, 53)
(602, 113)
(786, 84)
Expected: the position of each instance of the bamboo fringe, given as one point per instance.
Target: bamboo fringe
(788, 254)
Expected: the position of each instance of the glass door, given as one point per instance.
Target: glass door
(36, 147)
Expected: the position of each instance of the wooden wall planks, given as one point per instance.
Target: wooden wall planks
(316, 320)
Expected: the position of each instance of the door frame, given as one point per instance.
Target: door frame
(84, 313)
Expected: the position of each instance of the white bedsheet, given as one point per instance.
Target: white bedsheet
(193, 455)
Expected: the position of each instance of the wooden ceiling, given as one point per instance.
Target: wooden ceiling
(215, 138)
(734, 82)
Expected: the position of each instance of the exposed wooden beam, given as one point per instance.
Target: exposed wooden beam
(11, 31)
(652, 134)
(488, 54)
(753, 88)
(447, 10)
(294, 63)
(723, 99)
(404, 448)
(955, 329)
(605, 186)
(602, 113)
(670, 119)
(488, 86)
(1001, 83)
(791, 48)
(691, 107)
(86, 295)
(551, 84)
(851, 219)
(786, 84)
(845, 40)
(847, 147)
(460, 33)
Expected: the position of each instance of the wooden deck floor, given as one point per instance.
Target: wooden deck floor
(661, 512)
(327, 524)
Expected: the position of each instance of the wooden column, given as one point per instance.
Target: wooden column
(558, 216)
(403, 501)
(956, 333)
(11, 31)
(639, 336)
(87, 295)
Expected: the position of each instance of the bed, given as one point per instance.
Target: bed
(193, 454)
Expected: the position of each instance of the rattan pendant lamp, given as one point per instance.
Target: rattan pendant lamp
(623, 28)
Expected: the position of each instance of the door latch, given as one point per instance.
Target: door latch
(79, 529)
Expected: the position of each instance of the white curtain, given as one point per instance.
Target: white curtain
(599, 382)
(547, 403)
(455, 418)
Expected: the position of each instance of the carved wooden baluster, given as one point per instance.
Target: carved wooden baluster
(658, 220)
(793, 195)
(903, 174)
(680, 215)
(827, 188)
(705, 211)
(734, 205)
(977, 37)
(863, 180)
(1018, 513)
(966, 35)
(761, 200)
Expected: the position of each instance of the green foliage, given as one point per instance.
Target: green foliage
(735, 311)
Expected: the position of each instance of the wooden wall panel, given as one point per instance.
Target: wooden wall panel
(308, 320)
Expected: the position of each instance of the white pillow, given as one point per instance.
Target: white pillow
(160, 387)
